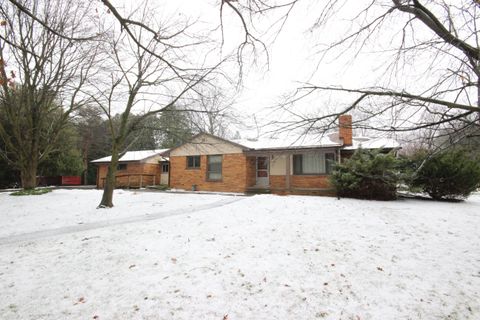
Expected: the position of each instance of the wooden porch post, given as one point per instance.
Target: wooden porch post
(141, 180)
(287, 176)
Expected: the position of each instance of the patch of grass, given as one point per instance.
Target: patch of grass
(31, 192)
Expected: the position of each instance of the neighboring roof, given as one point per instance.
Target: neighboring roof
(136, 156)
(373, 143)
(291, 141)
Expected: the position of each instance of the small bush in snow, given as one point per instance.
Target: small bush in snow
(368, 174)
(31, 192)
(452, 175)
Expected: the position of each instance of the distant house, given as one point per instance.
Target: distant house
(287, 165)
(136, 169)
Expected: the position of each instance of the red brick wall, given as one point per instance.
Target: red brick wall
(133, 169)
(234, 174)
(277, 182)
(306, 181)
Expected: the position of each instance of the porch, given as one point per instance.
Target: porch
(299, 171)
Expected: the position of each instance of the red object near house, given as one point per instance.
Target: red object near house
(59, 181)
(71, 180)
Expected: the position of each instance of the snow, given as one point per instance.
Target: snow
(260, 257)
(373, 143)
(55, 209)
(136, 155)
(295, 141)
(290, 140)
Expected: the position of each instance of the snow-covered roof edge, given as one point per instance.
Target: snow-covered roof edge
(139, 155)
(312, 142)
(373, 143)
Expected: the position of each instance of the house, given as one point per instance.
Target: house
(287, 165)
(136, 169)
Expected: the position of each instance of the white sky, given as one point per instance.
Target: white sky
(294, 56)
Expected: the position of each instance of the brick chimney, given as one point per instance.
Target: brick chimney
(345, 129)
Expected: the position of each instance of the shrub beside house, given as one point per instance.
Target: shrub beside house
(368, 174)
(452, 174)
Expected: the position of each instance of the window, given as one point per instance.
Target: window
(329, 162)
(164, 167)
(193, 162)
(121, 166)
(214, 168)
(313, 163)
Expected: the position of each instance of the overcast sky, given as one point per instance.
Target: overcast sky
(291, 52)
(294, 56)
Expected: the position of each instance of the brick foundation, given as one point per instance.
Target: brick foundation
(302, 184)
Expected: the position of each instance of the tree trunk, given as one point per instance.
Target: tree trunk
(29, 175)
(478, 93)
(107, 197)
(85, 169)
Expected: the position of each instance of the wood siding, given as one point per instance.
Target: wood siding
(136, 174)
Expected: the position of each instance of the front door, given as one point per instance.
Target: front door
(262, 172)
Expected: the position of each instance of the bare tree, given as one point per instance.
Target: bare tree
(431, 55)
(146, 76)
(216, 111)
(93, 138)
(42, 74)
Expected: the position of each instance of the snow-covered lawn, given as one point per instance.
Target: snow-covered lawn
(261, 257)
(61, 208)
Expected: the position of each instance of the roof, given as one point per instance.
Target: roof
(136, 156)
(233, 141)
(291, 141)
(373, 143)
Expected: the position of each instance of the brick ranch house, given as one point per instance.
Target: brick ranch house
(136, 169)
(291, 165)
